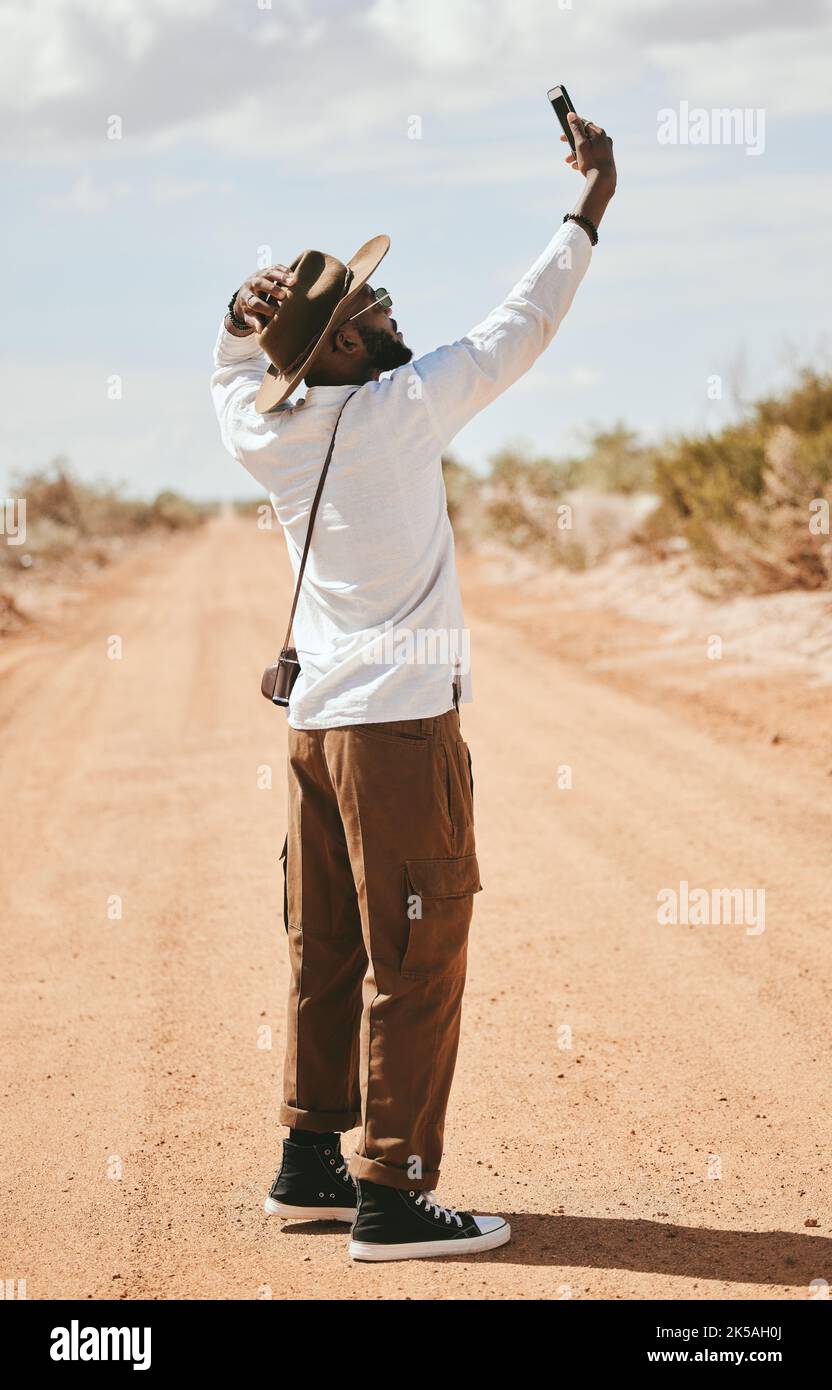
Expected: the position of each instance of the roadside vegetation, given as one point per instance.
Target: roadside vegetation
(71, 527)
(750, 504)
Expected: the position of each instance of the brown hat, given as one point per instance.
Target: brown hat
(321, 300)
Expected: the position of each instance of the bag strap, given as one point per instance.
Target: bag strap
(312, 515)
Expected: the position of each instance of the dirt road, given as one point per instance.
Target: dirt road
(648, 1103)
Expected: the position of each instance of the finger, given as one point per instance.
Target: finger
(277, 288)
(280, 274)
(595, 129)
(271, 287)
(251, 301)
(570, 159)
(577, 126)
(267, 290)
(257, 306)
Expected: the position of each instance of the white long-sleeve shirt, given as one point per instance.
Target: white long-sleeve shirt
(379, 628)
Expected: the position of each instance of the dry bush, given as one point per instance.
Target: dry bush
(614, 461)
(777, 547)
(66, 517)
(743, 499)
(465, 502)
(568, 514)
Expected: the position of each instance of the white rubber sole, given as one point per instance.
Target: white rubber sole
(275, 1208)
(431, 1249)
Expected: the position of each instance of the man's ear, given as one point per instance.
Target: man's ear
(346, 340)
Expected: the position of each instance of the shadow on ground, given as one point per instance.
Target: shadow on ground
(652, 1247)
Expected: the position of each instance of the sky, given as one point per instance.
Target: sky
(242, 125)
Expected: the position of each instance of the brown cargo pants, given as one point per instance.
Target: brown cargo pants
(381, 870)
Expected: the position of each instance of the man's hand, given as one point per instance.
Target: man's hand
(594, 159)
(259, 299)
(593, 151)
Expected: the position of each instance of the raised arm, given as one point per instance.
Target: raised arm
(462, 378)
(239, 364)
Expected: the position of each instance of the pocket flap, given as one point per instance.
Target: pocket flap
(444, 878)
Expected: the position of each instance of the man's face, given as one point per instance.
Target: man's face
(379, 333)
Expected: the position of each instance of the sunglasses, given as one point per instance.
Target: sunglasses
(381, 300)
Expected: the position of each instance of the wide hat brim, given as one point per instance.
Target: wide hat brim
(277, 386)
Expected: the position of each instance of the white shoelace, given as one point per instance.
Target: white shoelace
(431, 1204)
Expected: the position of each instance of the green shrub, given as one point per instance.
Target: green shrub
(614, 461)
(175, 512)
(741, 498)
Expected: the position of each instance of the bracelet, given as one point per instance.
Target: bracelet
(237, 322)
(584, 222)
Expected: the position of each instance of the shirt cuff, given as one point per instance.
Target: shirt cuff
(577, 238)
(229, 349)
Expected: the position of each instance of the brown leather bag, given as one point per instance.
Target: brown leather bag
(279, 679)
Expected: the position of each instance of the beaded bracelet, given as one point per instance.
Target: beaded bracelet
(237, 322)
(585, 223)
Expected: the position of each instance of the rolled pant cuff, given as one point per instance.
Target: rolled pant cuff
(320, 1121)
(386, 1176)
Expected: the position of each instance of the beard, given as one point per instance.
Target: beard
(384, 350)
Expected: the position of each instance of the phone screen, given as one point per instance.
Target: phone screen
(562, 105)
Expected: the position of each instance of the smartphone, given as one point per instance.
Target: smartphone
(562, 105)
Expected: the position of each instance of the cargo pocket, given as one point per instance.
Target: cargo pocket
(463, 756)
(440, 903)
(402, 731)
(283, 858)
(459, 790)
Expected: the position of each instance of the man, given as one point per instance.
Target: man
(381, 865)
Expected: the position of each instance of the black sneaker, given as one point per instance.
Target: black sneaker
(392, 1224)
(313, 1184)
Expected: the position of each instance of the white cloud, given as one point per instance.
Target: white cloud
(179, 191)
(564, 380)
(444, 37)
(88, 195)
(786, 74)
(757, 245)
(339, 79)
